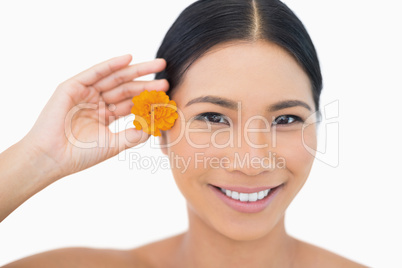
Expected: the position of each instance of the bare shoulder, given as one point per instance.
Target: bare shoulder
(313, 256)
(166, 251)
(77, 257)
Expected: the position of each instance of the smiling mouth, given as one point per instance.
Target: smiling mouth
(248, 197)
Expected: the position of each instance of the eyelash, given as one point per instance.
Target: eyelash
(203, 117)
(295, 119)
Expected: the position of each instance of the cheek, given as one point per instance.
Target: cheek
(184, 154)
(298, 150)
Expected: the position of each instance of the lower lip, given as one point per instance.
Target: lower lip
(247, 207)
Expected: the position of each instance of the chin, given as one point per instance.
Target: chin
(248, 230)
(240, 227)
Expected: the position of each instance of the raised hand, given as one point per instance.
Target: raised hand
(72, 130)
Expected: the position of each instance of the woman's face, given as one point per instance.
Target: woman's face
(242, 135)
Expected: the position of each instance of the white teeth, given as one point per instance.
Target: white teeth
(243, 197)
(246, 197)
(229, 193)
(252, 197)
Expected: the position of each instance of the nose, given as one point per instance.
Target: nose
(253, 151)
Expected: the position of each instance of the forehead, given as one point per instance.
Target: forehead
(241, 70)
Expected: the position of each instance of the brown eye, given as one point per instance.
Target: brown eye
(214, 118)
(286, 120)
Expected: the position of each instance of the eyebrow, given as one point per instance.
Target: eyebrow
(230, 104)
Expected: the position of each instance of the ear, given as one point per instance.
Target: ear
(163, 142)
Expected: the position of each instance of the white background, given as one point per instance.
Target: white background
(353, 209)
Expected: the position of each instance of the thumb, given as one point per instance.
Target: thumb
(129, 138)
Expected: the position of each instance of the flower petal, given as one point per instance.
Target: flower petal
(154, 112)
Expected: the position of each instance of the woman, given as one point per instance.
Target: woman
(247, 81)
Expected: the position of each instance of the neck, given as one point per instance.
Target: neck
(203, 246)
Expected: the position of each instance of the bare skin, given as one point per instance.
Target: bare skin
(306, 255)
(167, 251)
(218, 236)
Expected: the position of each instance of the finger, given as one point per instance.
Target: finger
(116, 111)
(131, 89)
(123, 108)
(130, 73)
(102, 70)
(126, 139)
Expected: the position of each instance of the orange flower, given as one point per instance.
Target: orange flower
(153, 112)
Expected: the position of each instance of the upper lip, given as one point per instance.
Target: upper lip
(243, 189)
